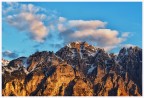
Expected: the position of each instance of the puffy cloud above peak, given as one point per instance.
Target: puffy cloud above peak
(30, 23)
(83, 24)
(93, 31)
(28, 18)
(102, 37)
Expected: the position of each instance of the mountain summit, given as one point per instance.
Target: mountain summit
(77, 69)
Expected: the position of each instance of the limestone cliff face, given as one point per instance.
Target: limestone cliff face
(112, 84)
(78, 69)
(52, 81)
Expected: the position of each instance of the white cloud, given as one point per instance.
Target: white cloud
(91, 24)
(93, 31)
(29, 8)
(11, 7)
(29, 22)
(125, 34)
(103, 37)
(62, 19)
(41, 16)
(25, 17)
(61, 27)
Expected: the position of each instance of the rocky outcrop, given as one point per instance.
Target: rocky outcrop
(130, 60)
(79, 87)
(5, 62)
(77, 69)
(42, 59)
(112, 84)
(78, 54)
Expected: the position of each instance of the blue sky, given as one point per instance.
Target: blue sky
(35, 26)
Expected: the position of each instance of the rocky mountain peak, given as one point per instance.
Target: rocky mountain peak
(81, 45)
(78, 54)
(77, 69)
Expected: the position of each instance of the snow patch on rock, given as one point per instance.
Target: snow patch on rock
(91, 69)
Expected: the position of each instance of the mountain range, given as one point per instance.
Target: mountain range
(77, 69)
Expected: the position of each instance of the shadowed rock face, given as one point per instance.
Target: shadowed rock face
(131, 61)
(77, 69)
